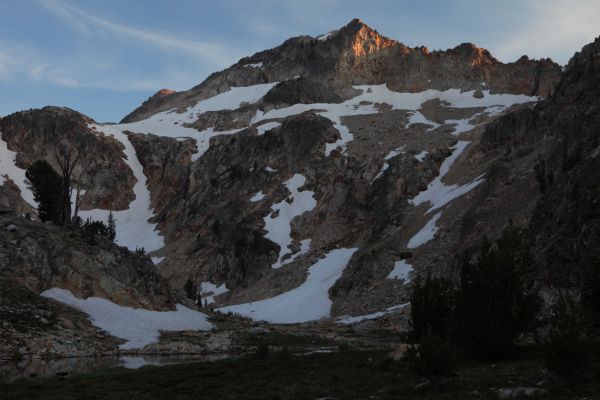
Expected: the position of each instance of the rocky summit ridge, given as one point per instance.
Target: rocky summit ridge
(318, 178)
(357, 54)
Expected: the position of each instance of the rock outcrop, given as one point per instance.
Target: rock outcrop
(40, 134)
(559, 141)
(41, 256)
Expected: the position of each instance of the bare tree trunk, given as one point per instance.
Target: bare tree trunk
(67, 162)
(77, 197)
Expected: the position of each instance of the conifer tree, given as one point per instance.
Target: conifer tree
(47, 185)
(112, 231)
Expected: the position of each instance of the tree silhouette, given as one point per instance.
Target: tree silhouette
(47, 187)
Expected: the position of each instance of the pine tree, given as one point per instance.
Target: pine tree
(188, 287)
(112, 230)
(47, 185)
(497, 299)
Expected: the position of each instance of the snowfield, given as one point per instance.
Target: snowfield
(373, 94)
(308, 302)
(133, 227)
(139, 327)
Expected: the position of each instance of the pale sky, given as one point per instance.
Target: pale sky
(104, 57)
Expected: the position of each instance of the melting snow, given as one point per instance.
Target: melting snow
(461, 125)
(278, 228)
(402, 270)
(421, 155)
(308, 302)
(386, 165)
(371, 94)
(170, 123)
(425, 234)
(439, 194)
(257, 197)
(257, 65)
(138, 326)
(133, 227)
(418, 118)
(267, 127)
(269, 169)
(209, 291)
(349, 320)
(325, 36)
(304, 247)
(156, 260)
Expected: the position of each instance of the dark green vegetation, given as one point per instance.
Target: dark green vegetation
(48, 190)
(46, 185)
(497, 299)
(572, 347)
(343, 375)
(495, 308)
(90, 229)
(494, 303)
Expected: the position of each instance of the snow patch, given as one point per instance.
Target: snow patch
(269, 169)
(277, 223)
(304, 247)
(157, 260)
(421, 156)
(425, 234)
(439, 194)
(325, 36)
(261, 129)
(257, 197)
(418, 118)
(402, 270)
(138, 326)
(308, 302)
(209, 291)
(256, 65)
(386, 165)
(349, 320)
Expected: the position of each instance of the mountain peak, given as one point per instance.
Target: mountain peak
(363, 39)
(356, 26)
(356, 22)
